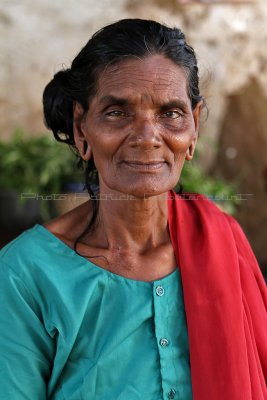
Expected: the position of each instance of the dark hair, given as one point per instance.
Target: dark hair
(112, 44)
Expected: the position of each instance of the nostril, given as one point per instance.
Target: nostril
(146, 136)
(145, 141)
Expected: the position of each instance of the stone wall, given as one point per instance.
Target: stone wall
(243, 158)
(37, 37)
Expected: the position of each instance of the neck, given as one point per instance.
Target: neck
(128, 222)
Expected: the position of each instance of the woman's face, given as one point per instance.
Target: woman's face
(140, 126)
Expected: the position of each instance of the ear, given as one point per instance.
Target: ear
(196, 117)
(79, 132)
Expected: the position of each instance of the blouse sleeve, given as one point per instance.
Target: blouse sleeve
(26, 349)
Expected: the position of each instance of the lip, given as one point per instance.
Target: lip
(147, 166)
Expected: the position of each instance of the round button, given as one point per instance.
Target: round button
(171, 394)
(160, 291)
(163, 342)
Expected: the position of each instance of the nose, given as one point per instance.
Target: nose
(145, 134)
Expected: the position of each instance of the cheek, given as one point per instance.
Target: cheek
(181, 143)
(103, 154)
(96, 140)
(182, 136)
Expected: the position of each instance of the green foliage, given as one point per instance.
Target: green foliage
(193, 179)
(36, 164)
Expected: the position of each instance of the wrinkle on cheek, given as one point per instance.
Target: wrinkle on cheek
(179, 163)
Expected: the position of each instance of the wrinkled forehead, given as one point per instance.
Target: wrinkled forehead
(154, 75)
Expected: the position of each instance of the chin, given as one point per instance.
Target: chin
(147, 192)
(138, 188)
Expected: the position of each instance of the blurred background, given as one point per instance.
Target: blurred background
(38, 178)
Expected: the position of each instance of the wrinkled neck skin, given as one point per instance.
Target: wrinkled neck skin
(131, 237)
(128, 222)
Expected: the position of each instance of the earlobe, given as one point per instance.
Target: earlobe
(190, 150)
(86, 154)
(79, 132)
(84, 149)
(196, 116)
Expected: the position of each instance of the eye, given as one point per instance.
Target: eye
(115, 114)
(172, 114)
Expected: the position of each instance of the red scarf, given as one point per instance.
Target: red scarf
(225, 301)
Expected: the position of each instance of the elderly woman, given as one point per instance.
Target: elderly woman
(138, 293)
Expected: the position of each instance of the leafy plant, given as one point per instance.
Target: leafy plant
(193, 179)
(37, 165)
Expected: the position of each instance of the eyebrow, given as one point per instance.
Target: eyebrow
(174, 104)
(121, 101)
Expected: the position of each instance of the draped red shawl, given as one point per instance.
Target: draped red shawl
(225, 301)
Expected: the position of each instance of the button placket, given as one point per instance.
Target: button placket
(160, 291)
(164, 342)
(161, 308)
(167, 318)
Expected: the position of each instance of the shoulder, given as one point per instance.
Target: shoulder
(23, 252)
(204, 216)
(40, 269)
(24, 246)
(250, 272)
(20, 268)
(211, 214)
(35, 255)
(199, 220)
(197, 207)
(69, 226)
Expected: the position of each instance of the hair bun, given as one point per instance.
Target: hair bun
(62, 77)
(58, 107)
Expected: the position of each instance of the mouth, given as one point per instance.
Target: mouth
(145, 166)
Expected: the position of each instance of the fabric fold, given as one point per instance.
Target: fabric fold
(225, 301)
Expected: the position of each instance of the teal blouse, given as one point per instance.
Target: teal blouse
(70, 330)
